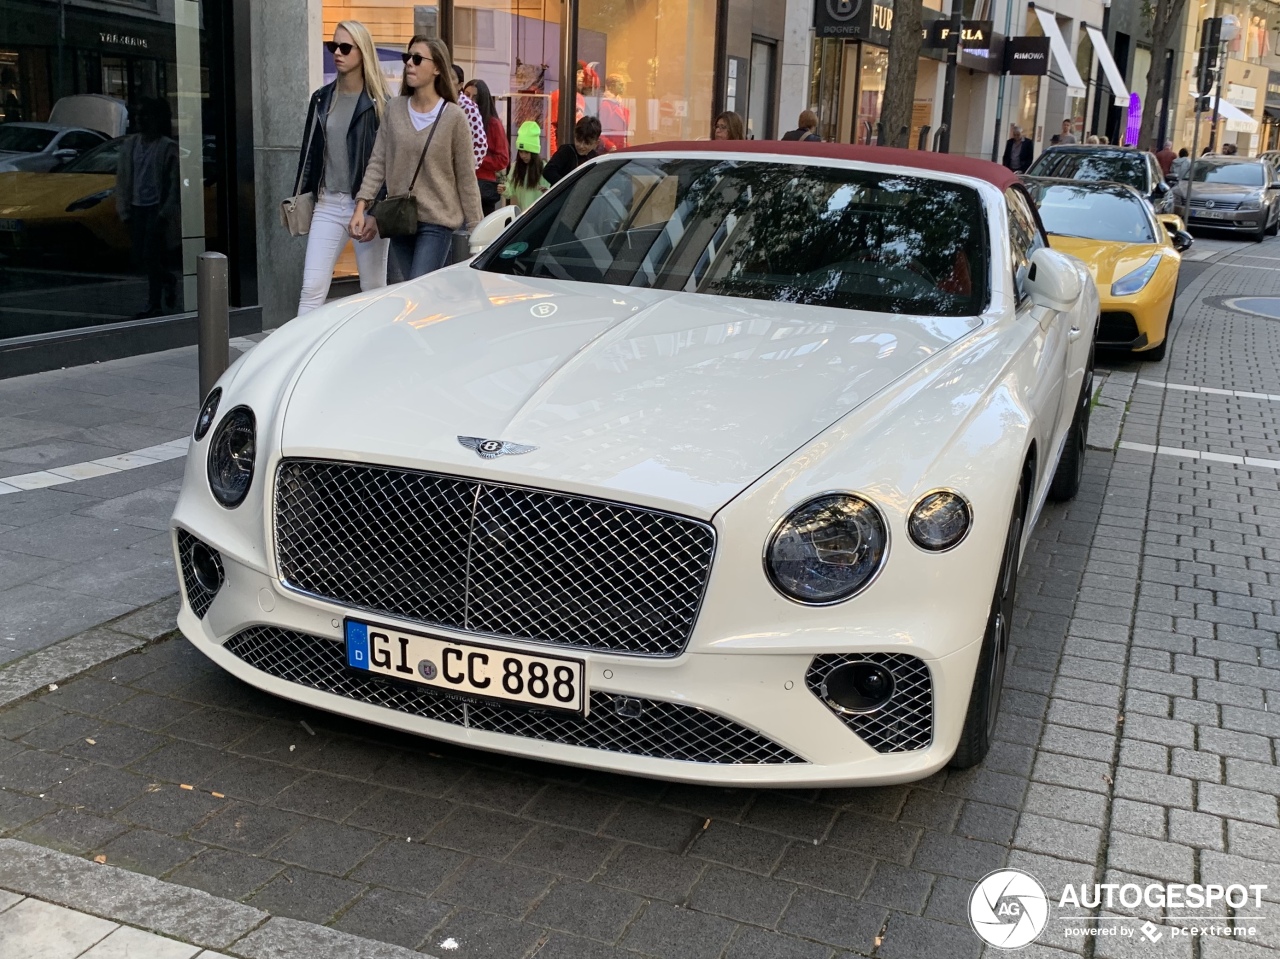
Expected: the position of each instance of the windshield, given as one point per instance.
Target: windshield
(1128, 168)
(1097, 214)
(850, 239)
(17, 139)
(1238, 174)
(101, 159)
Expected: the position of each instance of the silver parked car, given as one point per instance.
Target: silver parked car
(1229, 193)
(40, 147)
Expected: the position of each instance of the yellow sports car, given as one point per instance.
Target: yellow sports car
(69, 209)
(1132, 253)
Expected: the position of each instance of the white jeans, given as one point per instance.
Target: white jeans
(325, 243)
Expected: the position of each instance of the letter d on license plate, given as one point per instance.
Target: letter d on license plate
(551, 682)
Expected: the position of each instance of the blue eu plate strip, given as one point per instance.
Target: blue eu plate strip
(357, 645)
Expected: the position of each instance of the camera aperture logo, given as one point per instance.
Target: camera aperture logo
(1008, 909)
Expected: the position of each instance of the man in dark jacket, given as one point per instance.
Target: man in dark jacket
(1017, 150)
(570, 156)
(807, 128)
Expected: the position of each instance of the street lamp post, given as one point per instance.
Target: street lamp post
(1230, 28)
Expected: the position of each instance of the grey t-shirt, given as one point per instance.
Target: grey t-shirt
(337, 168)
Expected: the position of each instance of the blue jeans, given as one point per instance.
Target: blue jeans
(424, 252)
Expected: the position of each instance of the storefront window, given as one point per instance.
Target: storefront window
(872, 72)
(101, 220)
(824, 86)
(649, 67)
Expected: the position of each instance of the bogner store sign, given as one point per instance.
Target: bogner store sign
(869, 20)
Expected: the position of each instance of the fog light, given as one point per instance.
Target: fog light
(207, 567)
(858, 687)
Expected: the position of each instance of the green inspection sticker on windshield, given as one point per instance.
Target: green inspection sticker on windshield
(513, 249)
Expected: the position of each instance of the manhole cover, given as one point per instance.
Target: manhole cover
(1268, 306)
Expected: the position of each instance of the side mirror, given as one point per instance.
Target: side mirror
(492, 227)
(1161, 188)
(1172, 222)
(66, 153)
(1052, 281)
(1182, 240)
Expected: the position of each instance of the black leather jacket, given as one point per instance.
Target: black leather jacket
(360, 137)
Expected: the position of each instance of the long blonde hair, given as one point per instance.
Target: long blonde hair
(375, 84)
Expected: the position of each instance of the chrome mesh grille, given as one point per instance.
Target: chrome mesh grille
(906, 721)
(491, 559)
(199, 597)
(660, 730)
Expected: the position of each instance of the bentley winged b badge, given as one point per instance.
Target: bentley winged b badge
(490, 449)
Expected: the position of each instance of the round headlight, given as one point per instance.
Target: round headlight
(207, 413)
(231, 457)
(939, 521)
(827, 550)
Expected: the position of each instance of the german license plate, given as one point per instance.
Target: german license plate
(1215, 214)
(10, 226)
(551, 682)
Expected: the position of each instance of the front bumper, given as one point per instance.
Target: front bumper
(1241, 221)
(748, 709)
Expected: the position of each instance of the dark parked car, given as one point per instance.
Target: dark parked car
(1229, 193)
(1114, 163)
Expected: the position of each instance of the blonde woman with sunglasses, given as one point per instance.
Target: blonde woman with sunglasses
(423, 149)
(342, 126)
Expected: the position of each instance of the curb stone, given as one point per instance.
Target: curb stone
(70, 657)
(178, 912)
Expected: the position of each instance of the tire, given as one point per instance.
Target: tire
(1274, 229)
(988, 679)
(1066, 478)
(1261, 234)
(1158, 353)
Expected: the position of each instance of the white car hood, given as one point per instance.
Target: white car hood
(672, 400)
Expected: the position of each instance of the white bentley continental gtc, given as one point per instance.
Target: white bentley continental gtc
(716, 465)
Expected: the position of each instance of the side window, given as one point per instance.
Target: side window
(1024, 236)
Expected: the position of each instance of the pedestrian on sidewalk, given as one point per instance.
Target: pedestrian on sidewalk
(1067, 136)
(497, 152)
(1018, 150)
(342, 125)
(806, 128)
(423, 149)
(1165, 158)
(570, 156)
(1181, 166)
(728, 126)
(525, 182)
(475, 122)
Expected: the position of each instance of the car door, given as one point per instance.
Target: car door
(1049, 338)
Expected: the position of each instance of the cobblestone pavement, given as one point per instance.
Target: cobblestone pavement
(1137, 742)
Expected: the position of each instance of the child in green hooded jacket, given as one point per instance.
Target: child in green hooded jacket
(524, 181)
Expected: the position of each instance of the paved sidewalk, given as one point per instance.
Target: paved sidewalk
(86, 490)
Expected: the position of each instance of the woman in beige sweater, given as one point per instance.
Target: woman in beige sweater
(445, 187)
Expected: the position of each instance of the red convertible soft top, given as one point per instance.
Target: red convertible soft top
(993, 173)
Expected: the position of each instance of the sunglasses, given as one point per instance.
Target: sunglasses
(343, 48)
(417, 58)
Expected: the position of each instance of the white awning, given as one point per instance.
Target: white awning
(1070, 75)
(1108, 63)
(1237, 120)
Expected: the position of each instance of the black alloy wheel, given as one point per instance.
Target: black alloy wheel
(988, 681)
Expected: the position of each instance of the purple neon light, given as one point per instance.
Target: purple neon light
(1135, 120)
